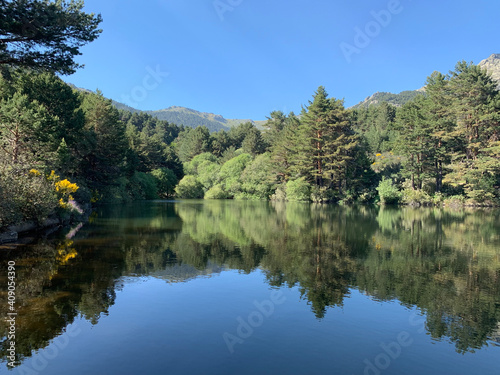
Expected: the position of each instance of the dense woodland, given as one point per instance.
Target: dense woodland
(441, 147)
(61, 148)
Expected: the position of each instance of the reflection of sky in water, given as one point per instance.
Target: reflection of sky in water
(163, 283)
(157, 328)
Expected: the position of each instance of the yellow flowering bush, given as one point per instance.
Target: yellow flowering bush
(65, 187)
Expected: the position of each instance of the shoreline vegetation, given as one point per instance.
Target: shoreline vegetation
(64, 150)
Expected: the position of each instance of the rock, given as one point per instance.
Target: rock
(9, 236)
(26, 226)
(492, 65)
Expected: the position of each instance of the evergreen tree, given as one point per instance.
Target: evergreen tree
(105, 145)
(45, 35)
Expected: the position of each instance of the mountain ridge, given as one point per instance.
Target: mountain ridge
(192, 118)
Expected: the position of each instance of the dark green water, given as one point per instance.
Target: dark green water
(230, 287)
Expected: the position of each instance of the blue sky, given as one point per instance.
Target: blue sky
(246, 58)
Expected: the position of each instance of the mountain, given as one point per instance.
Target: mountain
(190, 117)
(395, 99)
(185, 116)
(492, 65)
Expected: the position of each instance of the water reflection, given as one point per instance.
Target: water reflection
(446, 263)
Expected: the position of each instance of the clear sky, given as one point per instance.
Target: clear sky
(246, 58)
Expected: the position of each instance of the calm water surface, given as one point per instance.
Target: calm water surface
(230, 287)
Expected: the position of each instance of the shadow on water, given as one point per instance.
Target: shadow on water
(445, 263)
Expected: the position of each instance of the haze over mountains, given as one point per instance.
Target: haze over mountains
(192, 118)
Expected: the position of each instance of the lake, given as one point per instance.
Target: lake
(237, 287)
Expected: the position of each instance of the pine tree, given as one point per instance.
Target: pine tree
(104, 146)
(474, 99)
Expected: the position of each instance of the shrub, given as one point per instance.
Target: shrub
(323, 195)
(143, 186)
(279, 194)
(192, 167)
(208, 173)
(454, 201)
(230, 173)
(189, 188)
(413, 197)
(25, 196)
(388, 192)
(165, 181)
(216, 192)
(298, 191)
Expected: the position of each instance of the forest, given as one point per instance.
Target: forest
(62, 149)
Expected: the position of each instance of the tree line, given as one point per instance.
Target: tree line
(441, 147)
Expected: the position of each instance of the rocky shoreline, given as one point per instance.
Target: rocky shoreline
(13, 232)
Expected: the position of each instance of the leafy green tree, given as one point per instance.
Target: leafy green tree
(189, 188)
(298, 190)
(230, 173)
(388, 192)
(45, 35)
(208, 173)
(258, 180)
(192, 167)
(166, 180)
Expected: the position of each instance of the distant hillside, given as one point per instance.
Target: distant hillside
(492, 65)
(397, 100)
(190, 117)
(125, 107)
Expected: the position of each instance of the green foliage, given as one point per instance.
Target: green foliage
(257, 179)
(323, 195)
(189, 188)
(45, 35)
(298, 190)
(192, 142)
(208, 173)
(414, 197)
(104, 147)
(216, 192)
(191, 167)
(230, 173)
(143, 186)
(25, 196)
(166, 180)
(388, 192)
